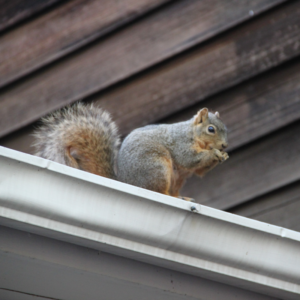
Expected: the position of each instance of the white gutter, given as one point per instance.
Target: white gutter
(53, 200)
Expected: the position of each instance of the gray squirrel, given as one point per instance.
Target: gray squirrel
(156, 157)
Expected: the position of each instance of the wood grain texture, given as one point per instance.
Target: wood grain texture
(21, 140)
(14, 11)
(270, 201)
(270, 163)
(286, 216)
(240, 54)
(280, 207)
(255, 108)
(243, 53)
(250, 110)
(63, 30)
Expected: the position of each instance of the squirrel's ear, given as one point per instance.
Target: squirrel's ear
(201, 116)
(217, 114)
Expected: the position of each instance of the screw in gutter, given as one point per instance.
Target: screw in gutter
(193, 208)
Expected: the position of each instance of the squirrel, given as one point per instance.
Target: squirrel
(156, 157)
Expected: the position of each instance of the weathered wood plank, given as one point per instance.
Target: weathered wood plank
(20, 140)
(287, 216)
(14, 11)
(281, 207)
(242, 53)
(62, 31)
(252, 171)
(237, 56)
(250, 110)
(268, 202)
(255, 108)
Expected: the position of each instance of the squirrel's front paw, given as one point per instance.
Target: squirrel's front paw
(219, 155)
(225, 155)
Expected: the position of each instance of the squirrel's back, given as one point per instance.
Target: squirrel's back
(80, 136)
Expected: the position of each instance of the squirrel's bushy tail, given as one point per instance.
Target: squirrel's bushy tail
(80, 136)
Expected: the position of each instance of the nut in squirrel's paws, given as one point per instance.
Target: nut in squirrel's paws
(219, 155)
(225, 155)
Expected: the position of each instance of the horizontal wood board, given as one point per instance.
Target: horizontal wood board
(271, 201)
(250, 110)
(280, 207)
(238, 55)
(21, 140)
(255, 108)
(286, 216)
(63, 30)
(81, 75)
(14, 11)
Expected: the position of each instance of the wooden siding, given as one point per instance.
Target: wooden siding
(280, 207)
(152, 61)
(14, 11)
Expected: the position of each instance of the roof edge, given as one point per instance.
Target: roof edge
(53, 200)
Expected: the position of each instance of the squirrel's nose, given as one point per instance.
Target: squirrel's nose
(224, 145)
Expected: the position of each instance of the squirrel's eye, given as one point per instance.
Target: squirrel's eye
(211, 129)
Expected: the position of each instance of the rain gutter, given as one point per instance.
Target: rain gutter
(52, 200)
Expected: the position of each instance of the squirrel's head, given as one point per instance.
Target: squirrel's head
(210, 131)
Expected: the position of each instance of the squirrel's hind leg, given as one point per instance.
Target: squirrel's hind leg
(186, 199)
(178, 181)
(154, 175)
(163, 176)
